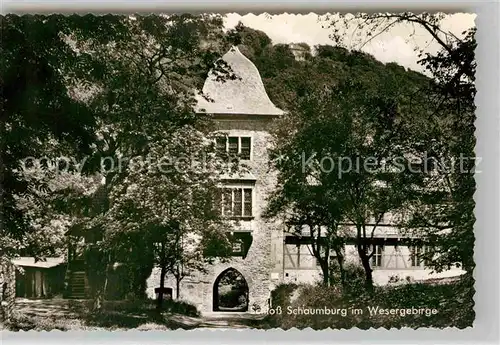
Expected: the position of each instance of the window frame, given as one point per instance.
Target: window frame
(239, 145)
(243, 201)
(416, 260)
(239, 242)
(377, 259)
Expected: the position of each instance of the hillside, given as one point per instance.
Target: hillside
(286, 79)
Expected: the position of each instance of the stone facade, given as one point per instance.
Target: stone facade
(257, 266)
(242, 109)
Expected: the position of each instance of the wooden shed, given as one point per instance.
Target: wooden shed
(39, 279)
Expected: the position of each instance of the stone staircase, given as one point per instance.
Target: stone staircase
(77, 285)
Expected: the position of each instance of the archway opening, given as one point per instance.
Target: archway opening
(230, 292)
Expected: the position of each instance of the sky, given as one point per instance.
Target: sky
(397, 45)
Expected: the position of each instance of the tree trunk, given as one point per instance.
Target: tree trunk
(365, 261)
(97, 277)
(97, 307)
(177, 287)
(323, 263)
(326, 275)
(159, 302)
(340, 260)
(105, 287)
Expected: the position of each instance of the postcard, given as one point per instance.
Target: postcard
(184, 171)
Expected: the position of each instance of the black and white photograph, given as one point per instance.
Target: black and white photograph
(230, 171)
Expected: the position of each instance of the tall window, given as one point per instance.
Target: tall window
(241, 146)
(377, 258)
(416, 253)
(245, 147)
(236, 202)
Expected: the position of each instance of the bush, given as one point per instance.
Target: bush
(281, 294)
(180, 307)
(142, 305)
(232, 299)
(453, 302)
(355, 280)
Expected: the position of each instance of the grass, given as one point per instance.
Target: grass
(453, 302)
(61, 314)
(64, 315)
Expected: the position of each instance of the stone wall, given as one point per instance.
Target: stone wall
(258, 265)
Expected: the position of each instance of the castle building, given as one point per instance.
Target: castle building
(241, 109)
(299, 51)
(265, 256)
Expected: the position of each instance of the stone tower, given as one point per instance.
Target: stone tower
(241, 109)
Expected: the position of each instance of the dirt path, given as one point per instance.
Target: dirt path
(231, 320)
(66, 314)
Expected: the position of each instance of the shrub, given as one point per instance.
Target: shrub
(453, 301)
(354, 280)
(180, 307)
(141, 305)
(281, 294)
(232, 298)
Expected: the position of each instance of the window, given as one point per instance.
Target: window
(247, 204)
(220, 145)
(237, 246)
(245, 147)
(236, 202)
(416, 253)
(235, 146)
(240, 243)
(377, 256)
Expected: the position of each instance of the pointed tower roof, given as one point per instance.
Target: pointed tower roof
(244, 95)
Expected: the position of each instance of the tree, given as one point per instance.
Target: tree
(169, 198)
(61, 200)
(253, 41)
(166, 58)
(39, 117)
(79, 102)
(302, 202)
(443, 214)
(338, 161)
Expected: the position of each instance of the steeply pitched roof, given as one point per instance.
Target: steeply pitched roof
(244, 95)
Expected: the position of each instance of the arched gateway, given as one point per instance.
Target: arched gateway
(230, 292)
(243, 111)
